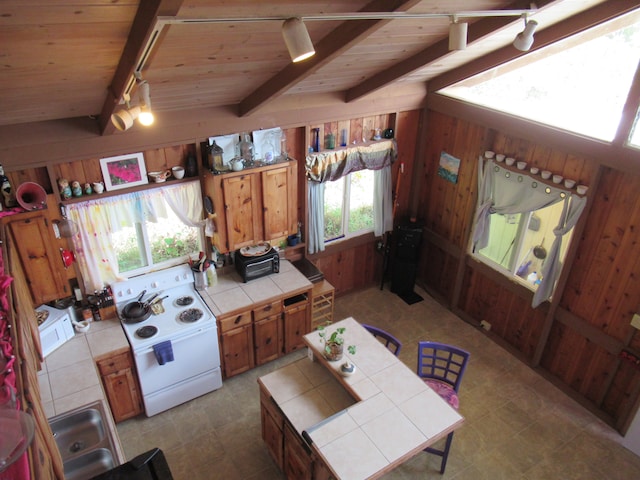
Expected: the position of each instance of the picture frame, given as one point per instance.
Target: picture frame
(123, 171)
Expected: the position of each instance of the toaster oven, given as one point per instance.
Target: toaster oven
(252, 267)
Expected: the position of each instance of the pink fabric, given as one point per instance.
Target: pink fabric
(445, 391)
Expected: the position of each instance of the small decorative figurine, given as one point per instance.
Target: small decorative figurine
(87, 189)
(65, 189)
(76, 189)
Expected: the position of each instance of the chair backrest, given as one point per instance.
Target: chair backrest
(391, 342)
(442, 362)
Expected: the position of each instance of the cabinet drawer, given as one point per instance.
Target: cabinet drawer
(114, 364)
(235, 321)
(267, 310)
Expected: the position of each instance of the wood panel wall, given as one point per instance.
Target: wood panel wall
(578, 337)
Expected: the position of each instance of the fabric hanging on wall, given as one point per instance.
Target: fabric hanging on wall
(98, 219)
(335, 164)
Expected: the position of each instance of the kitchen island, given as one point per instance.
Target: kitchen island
(319, 424)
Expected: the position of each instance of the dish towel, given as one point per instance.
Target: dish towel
(164, 352)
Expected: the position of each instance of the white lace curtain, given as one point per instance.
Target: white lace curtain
(98, 219)
(505, 192)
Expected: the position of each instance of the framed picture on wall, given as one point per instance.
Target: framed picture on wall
(123, 171)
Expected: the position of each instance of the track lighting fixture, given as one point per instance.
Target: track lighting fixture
(457, 34)
(123, 119)
(524, 39)
(297, 39)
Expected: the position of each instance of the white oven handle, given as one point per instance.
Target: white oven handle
(179, 339)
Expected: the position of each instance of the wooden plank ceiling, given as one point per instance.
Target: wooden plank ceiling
(65, 58)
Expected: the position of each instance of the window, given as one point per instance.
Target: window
(348, 205)
(153, 244)
(519, 243)
(579, 84)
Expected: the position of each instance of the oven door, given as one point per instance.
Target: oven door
(194, 354)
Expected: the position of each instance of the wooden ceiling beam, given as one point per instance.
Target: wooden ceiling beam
(543, 38)
(330, 47)
(142, 28)
(476, 31)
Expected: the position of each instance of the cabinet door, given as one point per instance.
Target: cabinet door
(272, 432)
(268, 338)
(241, 204)
(122, 394)
(296, 325)
(275, 203)
(121, 386)
(237, 350)
(40, 260)
(298, 464)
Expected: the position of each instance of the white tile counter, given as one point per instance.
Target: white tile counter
(230, 294)
(380, 416)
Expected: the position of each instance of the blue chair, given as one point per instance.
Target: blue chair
(442, 367)
(391, 342)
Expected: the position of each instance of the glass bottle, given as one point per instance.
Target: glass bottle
(245, 149)
(192, 166)
(315, 142)
(284, 154)
(7, 191)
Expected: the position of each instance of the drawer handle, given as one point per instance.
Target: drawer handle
(238, 319)
(267, 308)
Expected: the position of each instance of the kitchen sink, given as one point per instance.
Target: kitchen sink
(89, 464)
(84, 442)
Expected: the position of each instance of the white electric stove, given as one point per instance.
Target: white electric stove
(176, 352)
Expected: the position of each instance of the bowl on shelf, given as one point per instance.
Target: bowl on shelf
(569, 183)
(582, 189)
(557, 179)
(534, 170)
(489, 154)
(521, 165)
(510, 161)
(546, 174)
(159, 177)
(500, 157)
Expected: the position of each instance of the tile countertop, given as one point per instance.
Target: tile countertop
(381, 415)
(230, 294)
(69, 376)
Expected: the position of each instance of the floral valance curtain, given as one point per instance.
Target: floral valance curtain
(98, 219)
(505, 192)
(335, 164)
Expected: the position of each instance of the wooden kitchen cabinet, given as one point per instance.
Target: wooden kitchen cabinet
(298, 463)
(297, 322)
(236, 343)
(121, 386)
(253, 205)
(40, 259)
(267, 330)
(272, 422)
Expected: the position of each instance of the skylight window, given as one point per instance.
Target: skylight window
(580, 84)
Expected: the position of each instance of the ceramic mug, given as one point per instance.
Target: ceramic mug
(178, 172)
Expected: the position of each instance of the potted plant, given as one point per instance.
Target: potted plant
(334, 343)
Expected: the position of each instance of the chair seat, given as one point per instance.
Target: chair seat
(445, 391)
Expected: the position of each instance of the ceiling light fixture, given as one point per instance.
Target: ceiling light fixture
(297, 39)
(457, 34)
(123, 119)
(524, 39)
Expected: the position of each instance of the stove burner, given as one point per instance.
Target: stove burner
(190, 315)
(147, 331)
(184, 301)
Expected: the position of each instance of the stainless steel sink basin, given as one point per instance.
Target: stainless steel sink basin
(89, 464)
(78, 432)
(84, 442)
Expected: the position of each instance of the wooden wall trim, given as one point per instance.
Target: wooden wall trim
(621, 158)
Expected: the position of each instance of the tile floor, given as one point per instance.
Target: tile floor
(518, 425)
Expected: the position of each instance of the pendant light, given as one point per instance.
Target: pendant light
(297, 39)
